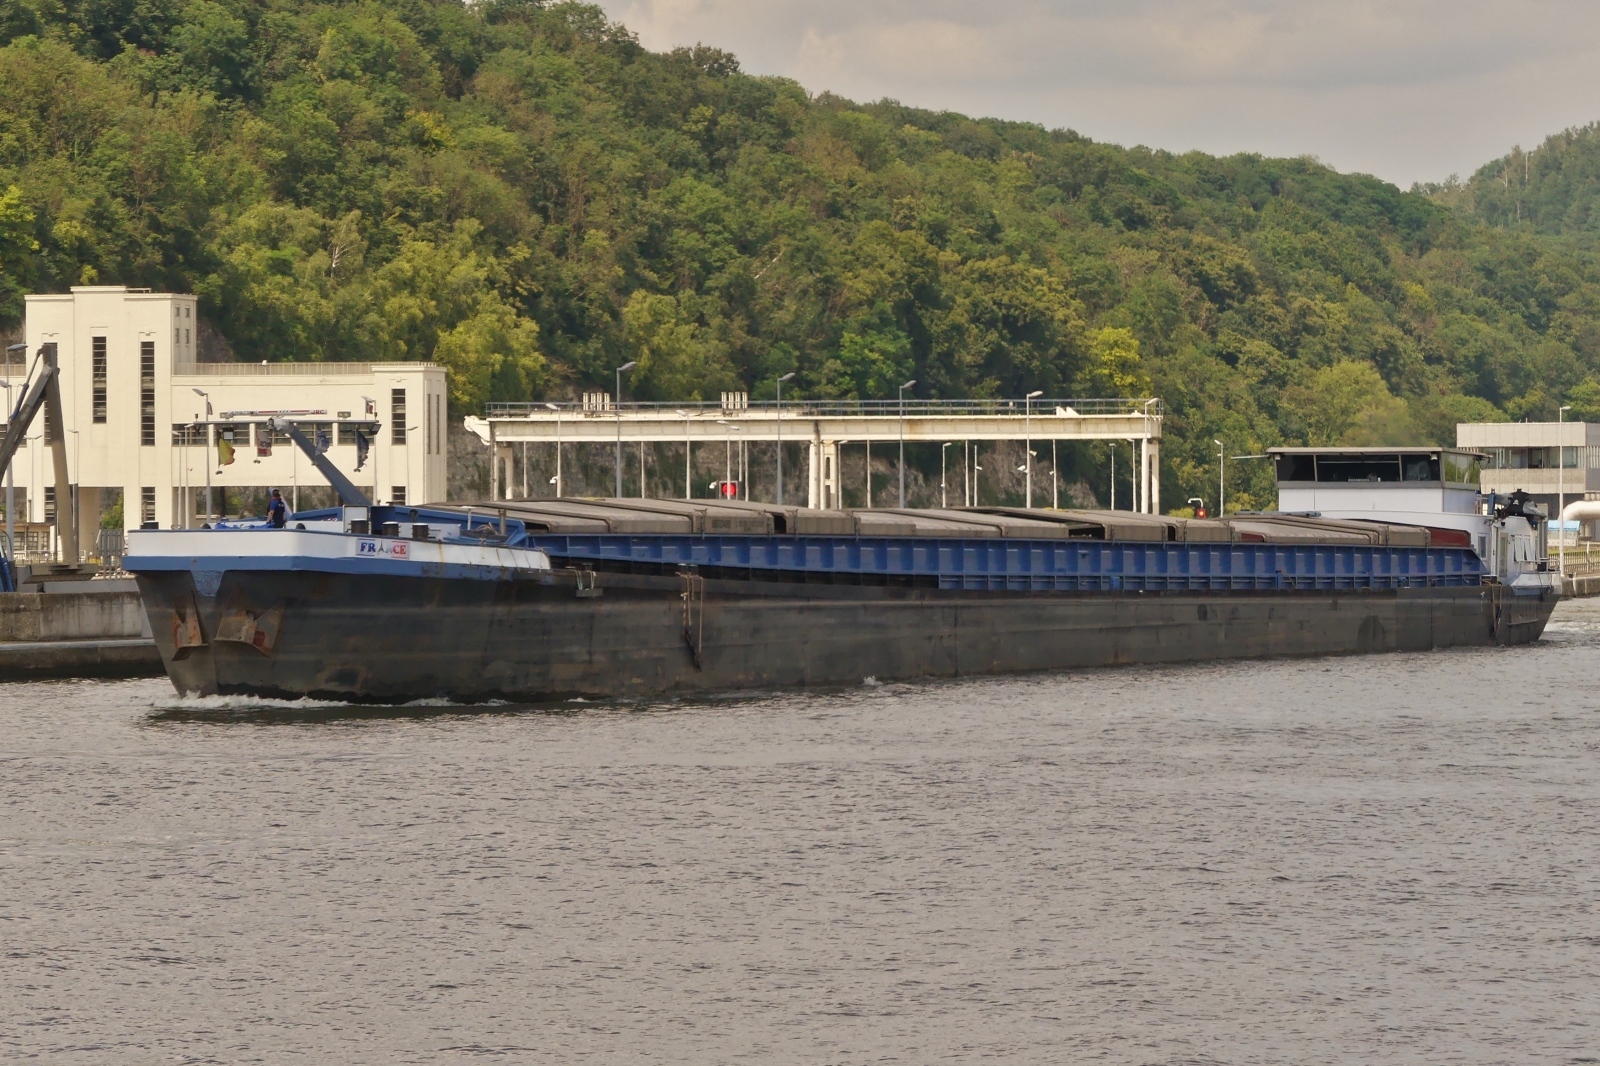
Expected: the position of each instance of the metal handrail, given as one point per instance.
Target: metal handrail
(1041, 408)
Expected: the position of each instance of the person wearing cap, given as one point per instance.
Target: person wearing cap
(277, 513)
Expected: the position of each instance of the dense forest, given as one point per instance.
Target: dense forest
(520, 191)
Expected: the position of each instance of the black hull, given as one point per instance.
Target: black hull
(387, 639)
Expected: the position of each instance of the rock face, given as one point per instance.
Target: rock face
(466, 463)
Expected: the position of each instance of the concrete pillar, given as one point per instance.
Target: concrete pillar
(830, 474)
(814, 472)
(88, 520)
(1144, 476)
(507, 471)
(494, 465)
(1155, 476)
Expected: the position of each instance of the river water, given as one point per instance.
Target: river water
(1385, 859)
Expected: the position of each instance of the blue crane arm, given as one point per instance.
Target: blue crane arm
(26, 412)
(352, 496)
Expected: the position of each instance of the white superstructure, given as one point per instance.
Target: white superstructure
(137, 423)
(1432, 487)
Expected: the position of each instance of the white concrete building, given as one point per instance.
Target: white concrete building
(136, 420)
(1543, 459)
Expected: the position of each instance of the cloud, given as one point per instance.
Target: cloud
(1408, 89)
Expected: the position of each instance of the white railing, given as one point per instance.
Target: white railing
(279, 369)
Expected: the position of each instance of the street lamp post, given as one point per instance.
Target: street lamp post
(943, 500)
(1222, 480)
(625, 366)
(1148, 472)
(903, 389)
(727, 467)
(1027, 421)
(688, 492)
(206, 397)
(1561, 494)
(1055, 482)
(781, 380)
(557, 410)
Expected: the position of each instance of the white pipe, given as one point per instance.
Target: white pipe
(1581, 511)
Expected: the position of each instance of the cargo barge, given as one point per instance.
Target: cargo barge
(532, 600)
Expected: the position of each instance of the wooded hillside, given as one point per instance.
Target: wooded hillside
(521, 192)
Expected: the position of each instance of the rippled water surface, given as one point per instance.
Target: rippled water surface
(1389, 859)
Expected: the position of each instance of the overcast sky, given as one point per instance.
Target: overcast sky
(1409, 90)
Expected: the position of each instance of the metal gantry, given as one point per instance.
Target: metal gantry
(823, 425)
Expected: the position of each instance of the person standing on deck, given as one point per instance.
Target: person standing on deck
(277, 513)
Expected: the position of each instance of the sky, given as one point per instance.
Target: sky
(1408, 90)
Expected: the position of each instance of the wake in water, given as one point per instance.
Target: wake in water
(269, 710)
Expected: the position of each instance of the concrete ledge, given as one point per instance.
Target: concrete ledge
(36, 660)
(1581, 585)
(84, 613)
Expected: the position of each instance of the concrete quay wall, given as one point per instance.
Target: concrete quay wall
(76, 629)
(86, 615)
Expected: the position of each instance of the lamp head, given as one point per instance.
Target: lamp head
(908, 384)
(787, 376)
(16, 347)
(626, 366)
(551, 406)
(1035, 392)
(200, 392)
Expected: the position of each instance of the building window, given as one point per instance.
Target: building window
(397, 495)
(397, 416)
(267, 435)
(98, 345)
(147, 393)
(438, 424)
(49, 504)
(189, 433)
(147, 504)
(320, 434)
(347, 431)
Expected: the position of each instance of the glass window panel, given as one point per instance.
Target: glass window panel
(1344, 468)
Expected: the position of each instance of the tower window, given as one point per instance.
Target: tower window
(147, 393)
(98, 345)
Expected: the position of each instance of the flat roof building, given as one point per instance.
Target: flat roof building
(137, 422)
(1528, 456)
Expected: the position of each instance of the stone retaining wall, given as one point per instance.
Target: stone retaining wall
(34, 616)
